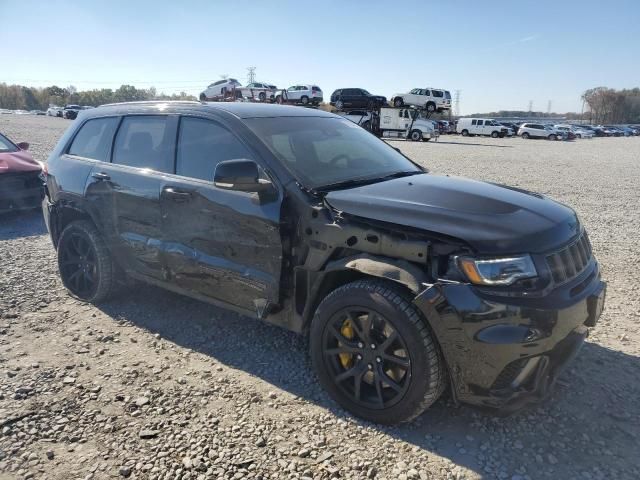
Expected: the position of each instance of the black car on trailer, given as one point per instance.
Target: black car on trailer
(406, 282)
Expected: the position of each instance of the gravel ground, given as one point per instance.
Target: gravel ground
(153, 385)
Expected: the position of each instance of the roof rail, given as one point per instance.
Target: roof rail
(152, 102)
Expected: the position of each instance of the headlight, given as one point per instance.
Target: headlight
(497, 271)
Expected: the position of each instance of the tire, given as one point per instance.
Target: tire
(279, 99)
(262, 96)
(95, 282)
(398, 102)
(553, 136)
(422, 379)
(415, 135)
(525, 135)
(578, 136)
(339, 105)
(371, 105)
(203, 97)
(366, 125)
(431, 107)
(495, 134)
(465, 133)
(304, 100)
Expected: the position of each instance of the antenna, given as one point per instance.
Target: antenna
(456, 103)
(251, 76)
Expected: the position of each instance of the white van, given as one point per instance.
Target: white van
(406, 123)
(482, 126)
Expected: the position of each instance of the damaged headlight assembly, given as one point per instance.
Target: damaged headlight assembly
(497, 271)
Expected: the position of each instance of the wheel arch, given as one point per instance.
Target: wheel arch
(345, 270)
(63, 215)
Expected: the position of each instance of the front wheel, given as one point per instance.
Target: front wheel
(525, 135)
(431, 107)
(552, 137)
(304, 100)
(86, 267)
(416, 135)
(262, 96)
(398, 102)
(374, 354)
(339, 105)
(494, 134)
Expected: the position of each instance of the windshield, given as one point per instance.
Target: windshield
(321, 151)
(7, 145)
(364, 91)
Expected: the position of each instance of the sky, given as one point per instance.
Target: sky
(499, 55)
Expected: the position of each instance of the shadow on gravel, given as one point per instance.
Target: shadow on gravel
(25, 223)
(596, 394)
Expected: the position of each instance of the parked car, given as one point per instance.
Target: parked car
(573, 131)
(406, 123)
(55, 111)
(513, 126)
(405, 282)
(363, 118)
(20, 182)
(356, 98)
(304, 94)
(482, 126)
(538, 130)
(261, 91)
(70, 112)
(429, 98)
(219, 89)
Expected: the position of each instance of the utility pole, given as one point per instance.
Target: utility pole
(549, 108)
(251, 76)
(530, 107)
(456, 103)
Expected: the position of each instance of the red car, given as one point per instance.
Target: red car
(20, 184)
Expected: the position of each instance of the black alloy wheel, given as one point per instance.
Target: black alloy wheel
(374, 353)
(85, 263)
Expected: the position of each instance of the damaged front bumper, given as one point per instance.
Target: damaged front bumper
(504, 353)
(20, 191)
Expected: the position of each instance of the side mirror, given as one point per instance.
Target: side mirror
(23, 146)
(241, 175)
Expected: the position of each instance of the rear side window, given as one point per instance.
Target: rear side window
(473, 122)
(480, 122)
(202, 144)
(94, 139)
(142, 142)
(315, 88)
(438, 93)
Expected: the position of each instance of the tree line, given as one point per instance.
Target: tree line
(19, 97)
(610, 106)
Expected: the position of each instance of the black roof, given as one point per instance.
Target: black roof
(239, 109)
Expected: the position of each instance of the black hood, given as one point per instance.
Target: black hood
(493, 219)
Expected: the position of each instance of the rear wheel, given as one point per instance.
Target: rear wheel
(339, 105)
(416, 135)
(431, 107)
(525, 135)
(262, 96)
(304, 100)
(374, 354)
(398, 102)
(553, 136)
(203, 97)
(85, 263)
(279, 99)
(465, 133)
(367, 125)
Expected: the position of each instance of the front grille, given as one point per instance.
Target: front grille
(568, 263)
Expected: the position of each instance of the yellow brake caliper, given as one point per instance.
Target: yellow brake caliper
(346, 359)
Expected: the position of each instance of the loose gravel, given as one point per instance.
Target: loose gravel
(156, 386)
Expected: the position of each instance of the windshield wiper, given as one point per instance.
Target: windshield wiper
(356, 182)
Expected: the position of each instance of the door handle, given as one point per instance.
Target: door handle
(101, 176)
(177, 195)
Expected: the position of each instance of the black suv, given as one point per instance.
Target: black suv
(356, 98)
(405, 282)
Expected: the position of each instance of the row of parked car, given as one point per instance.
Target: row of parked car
(69, 112)
(430, 99)
(494, 128)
